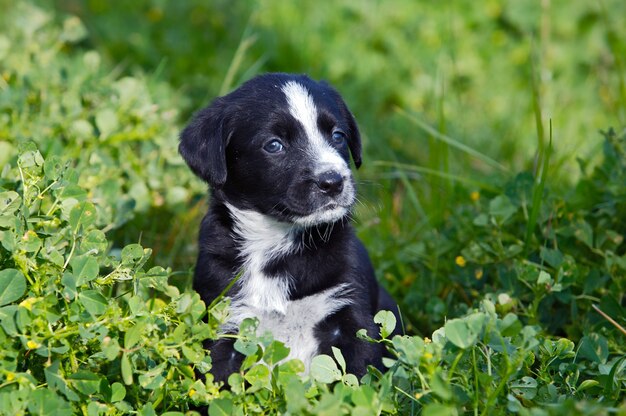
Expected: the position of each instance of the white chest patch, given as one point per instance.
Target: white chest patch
(293, 322)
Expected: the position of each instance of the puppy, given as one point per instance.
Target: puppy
(276, 155)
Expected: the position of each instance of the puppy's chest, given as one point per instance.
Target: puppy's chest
(293, 322)
(266, 293)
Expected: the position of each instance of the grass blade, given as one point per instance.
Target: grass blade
(427, 171)
(543, 158)
(451, 142)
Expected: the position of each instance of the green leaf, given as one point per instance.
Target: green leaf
(44, 402)
(9, 202)
(147, 410)
(295, 396)
(85, 382)
(387, 322)
(93, 301)
(7, 237)
(595, 348)
(12, 286)
(290, 368)
(133, 335)
(30, 242)
(502, 208)
(132, 253)
(553, 257)
(7, 319)
(69, 285)
(525, 387)
(107, 122)
(118, 392)
(94, 241)
(440, 387)
(192, 354)
(221, 407)
(30, 158)
(339, 358)
(85, 268)
(410, 349)
(275, 352)
(258, 376)
(587, 384)
(460, 334)
(584, 233)
(55, 381)
(53, 167)
(151, 381)
(439, 409)
(83, 215)
(127, 371)
(364, 396)
(324, 369)
(110, 348)
(544, 278)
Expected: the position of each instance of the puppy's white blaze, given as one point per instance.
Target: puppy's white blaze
(302, 108)
(261, 239)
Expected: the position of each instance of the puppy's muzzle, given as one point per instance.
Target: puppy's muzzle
(330, 183)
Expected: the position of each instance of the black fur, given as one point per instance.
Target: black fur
(223, 145)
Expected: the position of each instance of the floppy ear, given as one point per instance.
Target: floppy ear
(203, 144)
(354, 139)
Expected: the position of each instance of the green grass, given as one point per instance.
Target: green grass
(492, 208)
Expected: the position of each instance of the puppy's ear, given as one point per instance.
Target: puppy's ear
(203, 144)
(354, 139)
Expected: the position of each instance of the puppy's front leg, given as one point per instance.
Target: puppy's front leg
(340, 331)
(225, 360)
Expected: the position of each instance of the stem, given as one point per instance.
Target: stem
(611, 320)
(71, 252)
(454, 364)
(475, 382)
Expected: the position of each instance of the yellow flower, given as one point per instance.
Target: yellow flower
(31, 345)
(10, 376)
(475, 196)
(428, 355)
(28, 303)
(191, 392)
(460, 261)
(478, 274)
(427, 340)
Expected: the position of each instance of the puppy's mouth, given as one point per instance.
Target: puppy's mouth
(328, 213)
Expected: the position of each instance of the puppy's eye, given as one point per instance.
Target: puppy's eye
(338, 137)
(275, 146)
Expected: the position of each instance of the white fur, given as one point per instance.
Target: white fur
(322, 216)
(296, 327)
(303, 109)
(325, 157)
(262, 239)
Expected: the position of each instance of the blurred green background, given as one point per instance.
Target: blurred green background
(463, 66)
(447, 95)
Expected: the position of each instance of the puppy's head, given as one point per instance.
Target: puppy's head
(279, 145)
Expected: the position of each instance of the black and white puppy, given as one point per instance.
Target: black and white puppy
(276, 154)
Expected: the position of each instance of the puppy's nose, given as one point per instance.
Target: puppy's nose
(330, 183)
